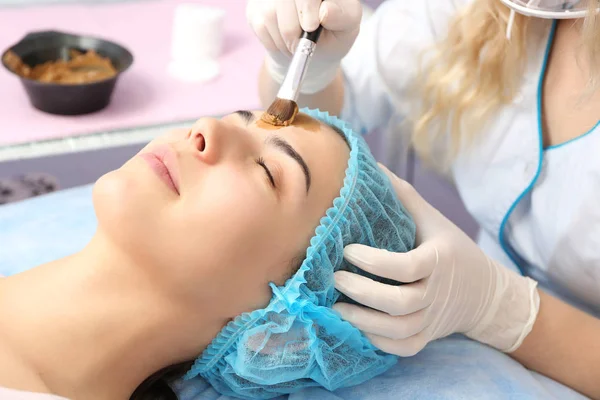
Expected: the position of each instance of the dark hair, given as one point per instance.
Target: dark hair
(158, 385)
(340, 132)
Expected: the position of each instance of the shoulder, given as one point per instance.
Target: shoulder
(405, 26)
(385, 57)
(433, 15)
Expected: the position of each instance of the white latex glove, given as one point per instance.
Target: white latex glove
(451, 286)
(279, 24)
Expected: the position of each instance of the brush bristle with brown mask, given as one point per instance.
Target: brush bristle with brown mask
(284, 109)
(281, 113)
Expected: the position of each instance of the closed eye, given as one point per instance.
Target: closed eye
(260, 161)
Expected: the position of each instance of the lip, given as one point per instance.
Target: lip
(163, 161)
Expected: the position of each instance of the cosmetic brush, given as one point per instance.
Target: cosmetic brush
(284, 109)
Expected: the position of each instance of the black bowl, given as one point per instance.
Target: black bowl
(64, 99)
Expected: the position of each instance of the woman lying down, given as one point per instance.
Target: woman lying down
(214, 257)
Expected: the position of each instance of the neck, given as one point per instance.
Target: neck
(94, 326)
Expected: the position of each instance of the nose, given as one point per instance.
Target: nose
(215, 139)
(198, 140)
(206, 137)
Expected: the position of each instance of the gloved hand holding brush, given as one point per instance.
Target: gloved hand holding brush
(279, 23)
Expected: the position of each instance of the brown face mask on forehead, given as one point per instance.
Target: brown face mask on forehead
(302, 121)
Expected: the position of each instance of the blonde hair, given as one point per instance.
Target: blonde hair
(473, 72)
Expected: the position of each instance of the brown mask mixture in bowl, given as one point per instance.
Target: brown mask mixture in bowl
(79, 69)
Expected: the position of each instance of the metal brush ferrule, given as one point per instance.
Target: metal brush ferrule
(290, 88)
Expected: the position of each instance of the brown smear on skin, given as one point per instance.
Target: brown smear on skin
(302, 121)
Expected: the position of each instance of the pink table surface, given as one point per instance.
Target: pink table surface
(145, 94)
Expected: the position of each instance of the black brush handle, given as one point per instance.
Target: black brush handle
(312, 36)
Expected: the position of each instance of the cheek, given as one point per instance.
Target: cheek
(231, 213)
(231, 235)
(129, 206)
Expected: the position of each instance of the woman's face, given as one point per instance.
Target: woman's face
(217, 211)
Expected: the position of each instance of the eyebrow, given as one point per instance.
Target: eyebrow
(246, 115)
(285, 147)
